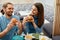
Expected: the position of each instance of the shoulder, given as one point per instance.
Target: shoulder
(1, 17)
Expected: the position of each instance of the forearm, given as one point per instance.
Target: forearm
(19, 28)
(35, 26)
(19, 32)
(38, 30)
(5, 31)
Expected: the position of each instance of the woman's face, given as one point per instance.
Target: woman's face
(34, 10)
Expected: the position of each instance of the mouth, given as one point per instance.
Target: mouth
(11, 12)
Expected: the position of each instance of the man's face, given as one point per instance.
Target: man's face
(9, 10)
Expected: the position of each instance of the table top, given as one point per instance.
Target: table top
(38, 36)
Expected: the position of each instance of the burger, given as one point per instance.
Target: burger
(30, 18)
(14, 20)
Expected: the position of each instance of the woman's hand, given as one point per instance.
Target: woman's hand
(30, 19)
(19, 24)
(25, 19)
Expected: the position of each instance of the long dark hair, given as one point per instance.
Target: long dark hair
(40, 9)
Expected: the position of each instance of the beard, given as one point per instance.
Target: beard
(9, 14)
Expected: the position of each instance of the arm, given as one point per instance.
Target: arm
(25, 25)
(38, 30)
(4, 32)
(19, 27)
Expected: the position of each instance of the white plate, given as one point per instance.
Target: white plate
(44, 37)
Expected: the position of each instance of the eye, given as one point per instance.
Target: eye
(10, 8)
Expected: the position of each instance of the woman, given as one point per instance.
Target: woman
(35, 25)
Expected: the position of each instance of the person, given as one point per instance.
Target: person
(35, 25)
(10, 25)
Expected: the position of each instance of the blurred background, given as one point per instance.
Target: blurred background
(25, 5)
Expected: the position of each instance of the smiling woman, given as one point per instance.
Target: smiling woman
(37, 16)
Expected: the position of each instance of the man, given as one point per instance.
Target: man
(9, 24)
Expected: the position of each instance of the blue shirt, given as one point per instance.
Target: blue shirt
(3, 24)
(29, 27)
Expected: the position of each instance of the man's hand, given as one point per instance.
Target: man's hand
(13, 20)
(19, 24)
(12, 23)
(25, 19)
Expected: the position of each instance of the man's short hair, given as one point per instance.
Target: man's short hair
(5, 4)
